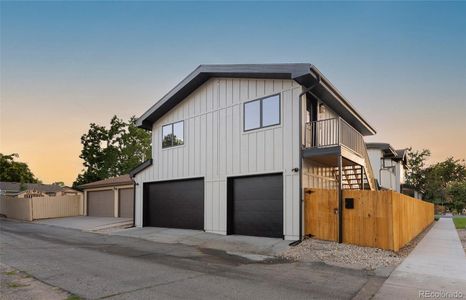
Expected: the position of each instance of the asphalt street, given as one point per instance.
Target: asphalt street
(95, 266)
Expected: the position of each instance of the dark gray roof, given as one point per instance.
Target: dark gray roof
(16, 187)
(389, 151)
(113, 181)
(401, 152)
(401, 155)
(303, 73)
(386, 148)
(10, 186)
(140, 167)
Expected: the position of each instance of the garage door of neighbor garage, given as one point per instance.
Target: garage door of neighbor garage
(126, 203)
(174, 204)
(255, 205)
(100, 203)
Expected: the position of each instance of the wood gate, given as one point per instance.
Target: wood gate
(382, 219)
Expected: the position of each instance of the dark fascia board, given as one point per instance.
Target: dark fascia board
(338, 103)
(303, 73)
(140, 168)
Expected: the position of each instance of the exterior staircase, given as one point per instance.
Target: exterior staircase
(336, 132)
(351, 178)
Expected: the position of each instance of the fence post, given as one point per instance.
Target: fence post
(31, 209)
(340, 199)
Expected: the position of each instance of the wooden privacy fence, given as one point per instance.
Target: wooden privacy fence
(29, 209)
(382, 219)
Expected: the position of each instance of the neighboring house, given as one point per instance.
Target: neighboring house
(234, 146)
(112, 197)
(410, 191)
(389, 167)
(29, 190)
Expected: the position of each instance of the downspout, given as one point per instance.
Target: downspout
(300, 169)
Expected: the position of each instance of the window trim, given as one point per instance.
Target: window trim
(172, 132)
(261, 112)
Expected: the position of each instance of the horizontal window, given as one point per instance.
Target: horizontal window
(262, 112)
(172, 134)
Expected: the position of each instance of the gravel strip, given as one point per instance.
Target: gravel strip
(351, 256)
(343, 254)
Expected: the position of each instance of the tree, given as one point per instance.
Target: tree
(134, 146)
(14, 171)
(439, 178)
(113, 151)
(457, 194)
(415, 169)
(438, 182)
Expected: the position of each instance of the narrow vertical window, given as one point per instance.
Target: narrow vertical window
(252, 115)
(271, 111)
(178, 134)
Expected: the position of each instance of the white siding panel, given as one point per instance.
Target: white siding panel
(215, 215)
(229, 140)
(222, 142)
(260, 151)
(278, 149)
(216, 147)
(208, 205)
(269, 150)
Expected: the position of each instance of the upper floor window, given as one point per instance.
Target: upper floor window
(262, 113)
(172, 134)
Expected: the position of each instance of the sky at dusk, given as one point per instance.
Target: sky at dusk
(67, 64)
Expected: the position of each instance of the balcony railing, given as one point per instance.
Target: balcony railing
(337, 132)
(333, 132)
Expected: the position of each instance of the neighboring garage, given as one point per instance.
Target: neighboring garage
(112, 197)
(100, 203)
(255, 205)
(174, 204)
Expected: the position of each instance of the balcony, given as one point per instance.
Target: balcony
(334, 132)
(327, 136)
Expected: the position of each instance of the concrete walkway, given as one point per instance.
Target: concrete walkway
(87, 223)
(251, 247)
(436, 265)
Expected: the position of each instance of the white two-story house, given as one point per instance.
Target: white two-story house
(233, 147)
(389, 168)
(388, 165)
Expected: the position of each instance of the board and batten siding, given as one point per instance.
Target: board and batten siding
(216, 147)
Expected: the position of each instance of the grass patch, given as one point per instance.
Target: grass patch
(73, 297)
(10, 273)
(460, 223)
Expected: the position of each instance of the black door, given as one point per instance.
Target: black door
(174, 204)
(255, 205)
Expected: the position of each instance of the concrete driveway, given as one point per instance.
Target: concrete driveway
(251, 247)
(95, 266)
(87, 223)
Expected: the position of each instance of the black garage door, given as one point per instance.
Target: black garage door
(255, 205)
(174, 204)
